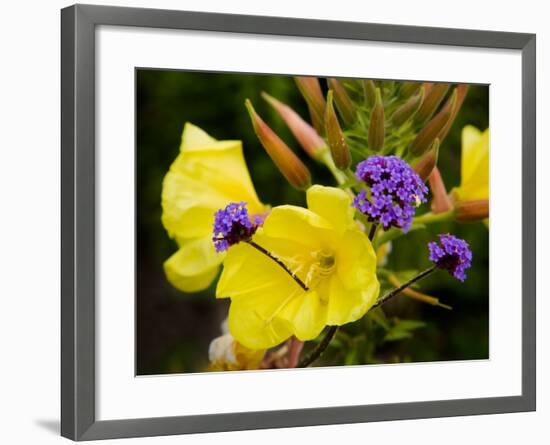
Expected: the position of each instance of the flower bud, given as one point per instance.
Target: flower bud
(311, 91)
(432, 99)
(343, 101)
(407, 89)
(440, 200)
(305, 134)
(369, 89)
(376, 124)
(284, 158)
(461, 91)
(336, 140)
(425, 165)
(469, 211)
(408, 109)
(425, 138)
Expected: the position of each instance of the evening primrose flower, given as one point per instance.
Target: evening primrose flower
(324, 272)
(206, 176)
(226, 354)
(474, 182)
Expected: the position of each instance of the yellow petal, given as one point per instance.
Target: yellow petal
(259, 289)
(194, 266)
(307, 314)
(203, 179)
(297, 224)
(475, 165)
(194, 136)
(346, 305)
(470, 136)
(356, 260)
(251, 330)
(332, 204)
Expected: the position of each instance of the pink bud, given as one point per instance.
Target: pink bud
(470, 211)
(440, 202)
(284, 158)
(306, 135)
(311, 91)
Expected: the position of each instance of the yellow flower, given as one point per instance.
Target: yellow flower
(324, 248)
(474, 183)
(206, 176)
(226, 354)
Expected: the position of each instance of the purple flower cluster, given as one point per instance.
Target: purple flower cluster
(395, 190)
(452, 254)
(232, 225)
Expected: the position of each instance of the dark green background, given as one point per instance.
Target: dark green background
(174, 329)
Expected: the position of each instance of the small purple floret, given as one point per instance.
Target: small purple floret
(231, 226)
(395, 191)
(452, 254)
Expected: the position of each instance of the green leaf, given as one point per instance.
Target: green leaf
(397, 334)
(379, 317)
(409, 325)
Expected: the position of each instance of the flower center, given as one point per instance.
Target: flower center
(322, 266)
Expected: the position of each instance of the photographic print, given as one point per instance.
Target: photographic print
(293, 222)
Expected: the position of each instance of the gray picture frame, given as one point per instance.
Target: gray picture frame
(78, 23)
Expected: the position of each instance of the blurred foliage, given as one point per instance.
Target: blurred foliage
(174, 330)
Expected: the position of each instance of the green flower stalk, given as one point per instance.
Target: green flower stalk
(336, 139)
(292, 168)
(376, 125)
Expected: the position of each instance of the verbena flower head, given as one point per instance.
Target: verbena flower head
(395, 190)
(231, 226)
(452, 254)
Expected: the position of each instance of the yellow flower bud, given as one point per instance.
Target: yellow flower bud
(306, 135)
(470, 211)
(294, 170)
(407, 89)
(461, 91)
(408, 109)
(343, 101)
(425, 165)
(336, 140)
(433, 97)
(427, 135)
(440, 201)
(311, 91)
(369, 89)
(376, 124)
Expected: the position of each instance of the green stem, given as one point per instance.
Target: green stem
(430, 218)
(399, 289)
(280, 263)
(326, 158)
(318, 351)
(417, 223)
(372, 231)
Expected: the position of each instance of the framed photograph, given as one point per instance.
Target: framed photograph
(274, 222)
